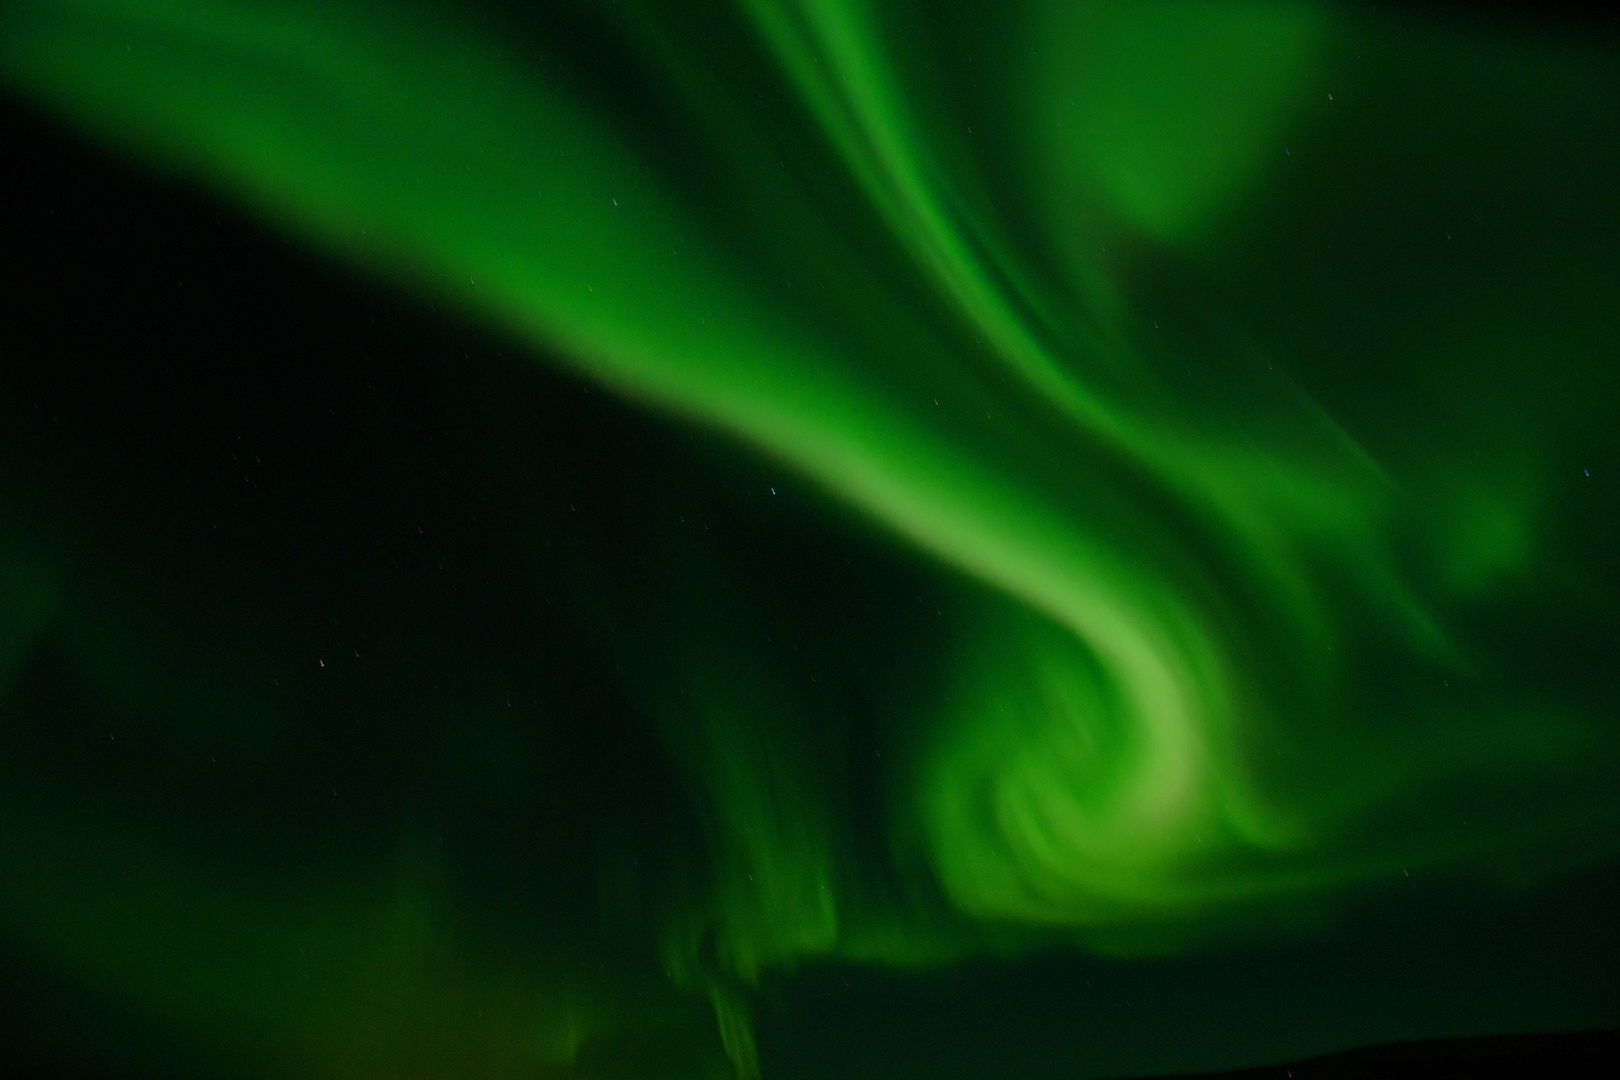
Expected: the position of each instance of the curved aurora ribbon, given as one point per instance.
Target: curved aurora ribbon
(1166, 580)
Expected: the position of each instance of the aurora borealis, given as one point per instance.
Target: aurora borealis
(1007, 481)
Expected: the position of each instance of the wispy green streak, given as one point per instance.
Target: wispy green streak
(1170, 581)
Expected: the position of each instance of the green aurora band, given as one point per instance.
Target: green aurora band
(1227, 641)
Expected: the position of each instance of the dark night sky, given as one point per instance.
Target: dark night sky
(255, 457)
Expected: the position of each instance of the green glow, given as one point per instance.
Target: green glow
(1163, 113)
(1172, 589)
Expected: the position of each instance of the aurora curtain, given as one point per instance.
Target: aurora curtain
(1109, 479)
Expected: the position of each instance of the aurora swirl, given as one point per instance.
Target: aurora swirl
(1033, 292)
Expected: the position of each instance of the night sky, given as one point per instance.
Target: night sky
(441, 634)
